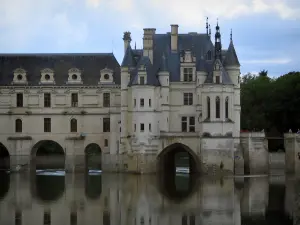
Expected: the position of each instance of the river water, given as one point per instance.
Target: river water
(115, 199)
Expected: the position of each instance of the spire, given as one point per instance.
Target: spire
(128, 60)
(218, 44)
(209, 34)
(231, 58)
(231, 35)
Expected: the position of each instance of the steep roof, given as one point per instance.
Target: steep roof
(89, 63)
(225, 77)
(231, 58)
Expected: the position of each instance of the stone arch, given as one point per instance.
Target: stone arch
(174, 148)
(47, 154)
(93, 161)
(4, 166)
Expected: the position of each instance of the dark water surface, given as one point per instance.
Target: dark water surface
(113, 199)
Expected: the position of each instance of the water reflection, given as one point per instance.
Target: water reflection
(113, 199)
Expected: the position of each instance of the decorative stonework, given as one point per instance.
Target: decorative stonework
(20, 76)
(106, 76)
(47, 76)
(74, 76)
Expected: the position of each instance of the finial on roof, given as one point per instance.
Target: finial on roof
(209, 34)
(207, 25)
(231, 35)
(217, 27)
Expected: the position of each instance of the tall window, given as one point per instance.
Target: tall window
(106, 124)
(106, 218)
(226, 108)
(47, 124)
(105, 142)
(47, 100)
(106, 99)
(218, 113)
(188, 74)
(19, 100)
(188, 98)
(184, 220)
(73, 218)
(74, 99)
(188, 124)
(208, 107)
(150, 128)
(150, 103)
(47, 218)
(18, 217)
(73, 124)
(142, 103)
(18, 126)
(134, 102)
(217, 79)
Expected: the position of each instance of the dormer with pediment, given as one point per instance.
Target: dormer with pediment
(74, 76)
(187, 66)
(217, 72)
(106, 76)
(47, 76)
(20, 76)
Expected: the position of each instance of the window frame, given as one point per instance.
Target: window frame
(19, 100)
(142, 102)
(18, 126)
(47, 100)
(187, 126)
(74, 99)
(142, 127)
(188, 74)
(47, 125)
(106, 125)
(106, 99)
(73, 125)
(188, 98)
(218, 107)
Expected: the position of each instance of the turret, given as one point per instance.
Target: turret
(127, 40)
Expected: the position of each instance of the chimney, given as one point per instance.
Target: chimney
(127, 40)
(148, 43)
(174, 37)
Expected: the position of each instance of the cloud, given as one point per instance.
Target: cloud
(268, 61)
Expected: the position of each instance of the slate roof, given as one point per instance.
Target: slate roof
(225, 77)
(231, 58)
(89, 63)
(199, 44)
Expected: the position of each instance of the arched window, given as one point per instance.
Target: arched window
(73, 125)
(208, 107)
(226, 108)
(18, 126)
(218, 114)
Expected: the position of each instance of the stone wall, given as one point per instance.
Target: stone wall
(255, 153)
(292, 153)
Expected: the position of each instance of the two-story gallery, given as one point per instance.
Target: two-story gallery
(180, 93)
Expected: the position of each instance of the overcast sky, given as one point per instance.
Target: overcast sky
(266, 33)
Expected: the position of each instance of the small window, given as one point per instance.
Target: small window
(47, 218)
(226, 108)
(142, 102)
(150, 129)
(105, 142)
(47, 100)
(188, 124)
(74, 99)
(184, 124)
(74, 77)
(208, 107)
(18, 126)
(134, 102)
(192, 124)
(73, 125)
(106, 124)
(106, 218)
(19, 100)
(188, 98)
(106, 76)
(47, 77)
(150, 102)
(47, 124)
(134, 127)
(142, 127)
(73, 218)
(142, 80)
(217, 79)
(184, 220)
(106, 99)
(18, 217)
(188, 74)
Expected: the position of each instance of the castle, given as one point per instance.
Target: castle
(180, 93)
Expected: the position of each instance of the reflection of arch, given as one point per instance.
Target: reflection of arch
(47, 188)
(4, 158)
(48, 154)
(93, 159)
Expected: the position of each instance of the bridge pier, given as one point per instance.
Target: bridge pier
(292, 153)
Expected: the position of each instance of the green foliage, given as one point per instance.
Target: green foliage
(270, 103)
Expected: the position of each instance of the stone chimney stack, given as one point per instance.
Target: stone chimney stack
(148, 43)
(174, 37)
(127, 40)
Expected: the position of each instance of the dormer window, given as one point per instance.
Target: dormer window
(106, 76)
(142, 80)
(74, 76)
(217, 79)
(47, 76)
(20, 76)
